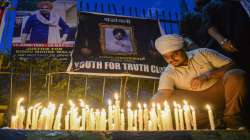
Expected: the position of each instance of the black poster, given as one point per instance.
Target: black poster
(116, 45)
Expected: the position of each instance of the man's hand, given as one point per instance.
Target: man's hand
(198, 81)
(228, 46)
(161, 96)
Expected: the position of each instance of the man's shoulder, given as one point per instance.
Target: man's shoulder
(169, 70)
(200, 51)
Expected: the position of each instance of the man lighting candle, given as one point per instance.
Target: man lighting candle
(201, 76)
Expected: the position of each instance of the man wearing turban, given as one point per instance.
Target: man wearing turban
(201, 76)
(44, 26)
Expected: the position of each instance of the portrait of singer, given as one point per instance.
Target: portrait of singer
(44, 26)
(118, 41)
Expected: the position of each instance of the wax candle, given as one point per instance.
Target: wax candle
(194, 122)
(110, 115)
(159, 120)
(211, 117)
(181, 117)
(58, 118)
(130, 117)
(140, 117)
(187, 115)
(13, 122)
(122, 120)
(20, 117)
(176, 116)
(28, 119)
(145, 116)
(67, 121)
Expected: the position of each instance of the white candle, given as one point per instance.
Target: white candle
(140, 117)
(83, 115)
(110, 115)
(58, 118)
(13, 122)
(20, 117)
(117, 111)
(103, 122)
(159, 120)
(28, 119)
(169, 120)
(211, 117)
(135, 120)
(130, 117)
(18, 105)
(187, 115)
(176, 116)
(122, 120)
(97, 119)
(67, 121)
(153, 117)
(181, 117)
(145, 116)
(194, 122)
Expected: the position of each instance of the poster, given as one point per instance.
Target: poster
(44, 29)
(116, 45)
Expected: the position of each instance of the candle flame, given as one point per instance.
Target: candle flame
(145, 105)
(129, 104)
(185, 102)
(208, 107)
(109, 102)
(175, 104)
(139, 105)
(82, 104)
(192, 108)
(116, 96)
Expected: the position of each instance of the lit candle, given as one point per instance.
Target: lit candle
(103, 122)
(58, 118)
(20, 117)
(135, 120)
(18, 105)
(187, 115)
(35, 116)
(194, 118)
(145, 116)
(176, 116)
(159, 120)
(169, 121)
(117, 112)
(110, 115)
(82, 104)
(130, 117)
(67, 121)
(181, 117)
(140, 117)
(97, 119)
(211, 117)
(13, 122)
(28, 120)
(122, 120)
(153, 117)
(150, 125)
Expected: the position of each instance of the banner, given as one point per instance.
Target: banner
(115, 45)
(3, 11)
(45, 29)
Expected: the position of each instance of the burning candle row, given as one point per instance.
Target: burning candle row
(156, 118)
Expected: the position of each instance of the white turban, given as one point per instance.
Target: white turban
(169, 43)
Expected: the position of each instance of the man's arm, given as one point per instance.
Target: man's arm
(162, 95)
(220, 63)
(224, 42)
(219, 72)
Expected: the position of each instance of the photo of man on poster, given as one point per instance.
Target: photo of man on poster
(117, 40)
(44, 26)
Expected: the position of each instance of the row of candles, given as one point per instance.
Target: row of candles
(143, 118)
